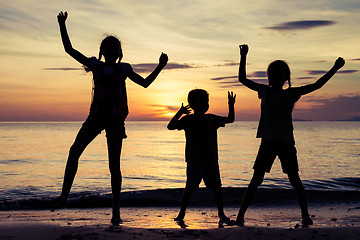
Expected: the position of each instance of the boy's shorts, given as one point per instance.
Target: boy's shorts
(209, 171)
(268, 151)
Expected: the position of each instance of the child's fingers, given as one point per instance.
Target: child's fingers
(231, 94)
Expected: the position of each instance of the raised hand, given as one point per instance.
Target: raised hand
(339, 63)
(163, 60)
(244, 49)
(184, 110)
(231, 98)
(62, 16)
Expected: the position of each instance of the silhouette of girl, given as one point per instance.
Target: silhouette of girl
(276, 128)
(108, 109)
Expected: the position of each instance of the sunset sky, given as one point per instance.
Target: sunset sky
(40, 82)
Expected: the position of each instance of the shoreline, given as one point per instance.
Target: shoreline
(171, 198)
(331, 221)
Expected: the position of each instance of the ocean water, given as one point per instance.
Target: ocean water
(33, 157)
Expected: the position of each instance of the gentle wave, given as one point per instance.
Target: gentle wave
(15, 161)
(171, 197)
(333, 185)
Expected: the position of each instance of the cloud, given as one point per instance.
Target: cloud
(227, 64)
(355, 59)
(223, 78)
(230, 84)
(230, 81)
(62, 69)
(13, 17)
(320, 61)
(320, 72)
(164, 107)
(347, 71)
(301, 25)
(140, 68)
(337, 108)
(258, 74)
(149, 67)
(315, 72)
(15, 53)
(304, 78)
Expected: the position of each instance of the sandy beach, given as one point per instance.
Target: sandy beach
(331, 221)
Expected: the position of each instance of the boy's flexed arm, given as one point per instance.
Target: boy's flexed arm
(339, 63)
(62, 16)
(145, 82)
(174, 122)
(231, 101)
(242, 69)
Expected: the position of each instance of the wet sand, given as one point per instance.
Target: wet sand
(331, 221)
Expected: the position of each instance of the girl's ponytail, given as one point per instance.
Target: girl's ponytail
(100, 55)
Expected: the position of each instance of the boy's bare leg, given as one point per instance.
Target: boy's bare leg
(255, 182)
(220, 206)
(184, 203)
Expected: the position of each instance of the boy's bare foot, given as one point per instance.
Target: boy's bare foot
(179, 218)
(181, 223)
(306, 221)
(227, 221)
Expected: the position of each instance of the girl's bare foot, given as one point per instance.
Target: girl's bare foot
(240, 222)
(116, 221)
(59, 202)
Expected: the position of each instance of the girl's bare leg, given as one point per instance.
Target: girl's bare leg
(295, 181)
(255, 182)
(85, 135)
(114, 151)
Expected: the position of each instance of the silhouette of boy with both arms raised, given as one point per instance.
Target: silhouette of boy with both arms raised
(201, 151)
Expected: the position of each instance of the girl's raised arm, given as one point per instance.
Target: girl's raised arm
(145, 82)
(62, 16)
(242, 70)
(339, 63)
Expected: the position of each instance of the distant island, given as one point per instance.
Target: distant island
(354, 119)
(301, 120)
(351, 119)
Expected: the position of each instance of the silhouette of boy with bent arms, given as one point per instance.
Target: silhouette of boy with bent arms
(201, 150)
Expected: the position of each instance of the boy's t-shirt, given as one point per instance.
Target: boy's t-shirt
(201, 136)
